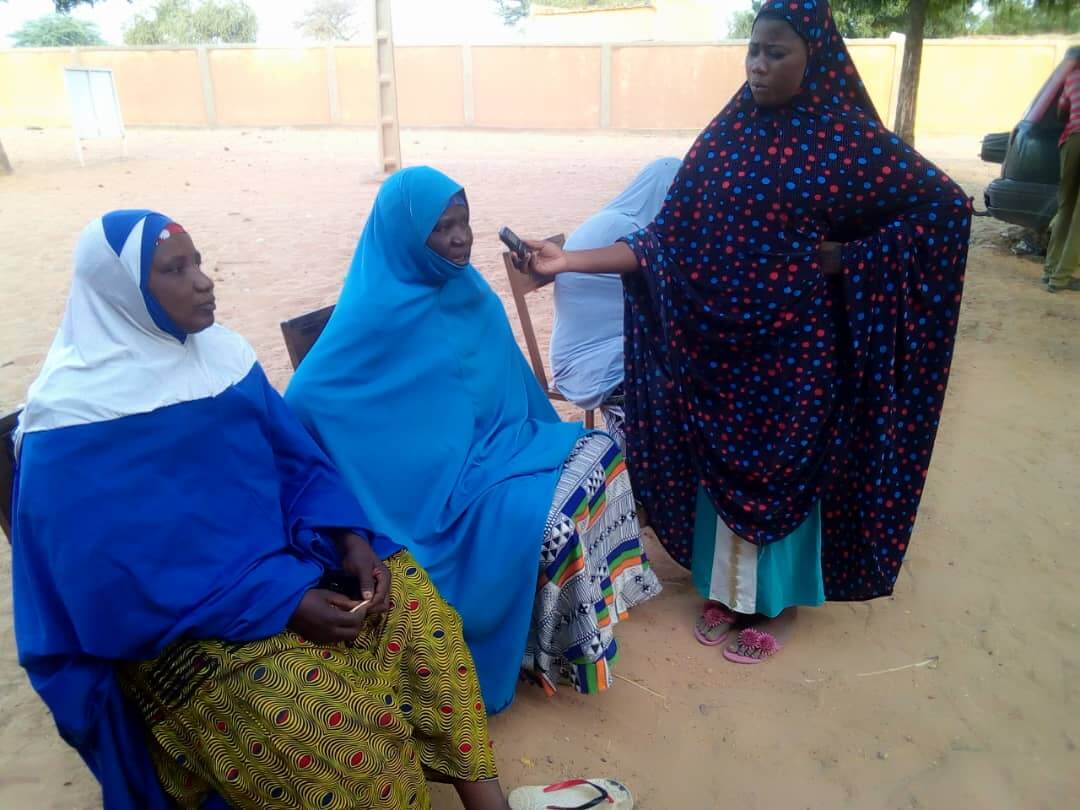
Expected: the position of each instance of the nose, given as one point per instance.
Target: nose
(757, 66)
(203, 282)
(458, 238)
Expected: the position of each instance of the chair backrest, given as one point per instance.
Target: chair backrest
(301, 332)
(521, 284)
(7, 468)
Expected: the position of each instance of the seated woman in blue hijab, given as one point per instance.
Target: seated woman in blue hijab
(587, 334)
(419, 393)
(204, 606)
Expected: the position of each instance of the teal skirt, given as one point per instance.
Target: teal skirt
(756, 579)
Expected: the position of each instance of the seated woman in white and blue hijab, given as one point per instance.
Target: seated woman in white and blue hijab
(202, 603)
(587, 337)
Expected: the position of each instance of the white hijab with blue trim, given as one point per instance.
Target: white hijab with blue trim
(117, 352)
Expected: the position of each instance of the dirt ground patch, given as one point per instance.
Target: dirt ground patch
(851, 714)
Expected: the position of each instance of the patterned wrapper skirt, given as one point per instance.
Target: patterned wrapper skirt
(286, 723)
(592, 570)
(615, 423)
(614, 413)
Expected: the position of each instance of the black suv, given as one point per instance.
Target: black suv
(1026, 194)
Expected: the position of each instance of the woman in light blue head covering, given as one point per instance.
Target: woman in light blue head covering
(587, 336)
(419, 392)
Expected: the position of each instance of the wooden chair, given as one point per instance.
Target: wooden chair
(521, 285)
(7, 468)
(301, 332)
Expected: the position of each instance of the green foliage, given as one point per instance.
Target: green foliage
(581, 5)
(512, 11)
(225, 21)
(945, 18)
(174, 22)
(742, 22)
(329, 20)
(879, 18)
(1010, 17)
(64, 6)
(57, 31)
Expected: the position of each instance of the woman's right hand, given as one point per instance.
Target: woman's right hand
(324, 617)
(544, 259)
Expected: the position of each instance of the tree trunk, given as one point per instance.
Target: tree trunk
(5, 164)
(909, 72)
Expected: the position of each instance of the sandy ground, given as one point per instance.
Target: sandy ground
(962, 691)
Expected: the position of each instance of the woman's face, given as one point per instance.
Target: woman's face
(452, 237)
(180, 286)
(775, 62)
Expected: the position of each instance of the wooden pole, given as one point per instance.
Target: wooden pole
(386, 109)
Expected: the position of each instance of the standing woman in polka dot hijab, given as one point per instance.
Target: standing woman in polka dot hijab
(790, 317)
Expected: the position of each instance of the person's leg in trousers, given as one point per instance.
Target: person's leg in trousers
(1063, 254)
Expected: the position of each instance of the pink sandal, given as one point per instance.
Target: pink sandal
(715, 617)
(752, 647)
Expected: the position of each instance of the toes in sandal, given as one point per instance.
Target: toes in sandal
(714, 624)
(575, 794)
(752, 647)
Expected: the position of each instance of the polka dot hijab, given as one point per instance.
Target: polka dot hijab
(752, 374)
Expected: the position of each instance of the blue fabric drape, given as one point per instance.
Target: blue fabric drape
(197, 520)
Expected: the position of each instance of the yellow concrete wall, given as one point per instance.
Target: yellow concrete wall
(156, 88)
(537, 87)
(980, 86)
(672, 87)
(684, 86)
(430, 87)
(32, 91)
(969, 87)
(356, 85)
(878, 64)
(270, 86)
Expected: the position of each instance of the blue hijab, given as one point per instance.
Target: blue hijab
(587, 336)
(419, 393)
(200, 519)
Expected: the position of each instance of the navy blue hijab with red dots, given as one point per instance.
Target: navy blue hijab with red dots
(775, 387)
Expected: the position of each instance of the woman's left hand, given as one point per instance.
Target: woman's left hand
(360, 560)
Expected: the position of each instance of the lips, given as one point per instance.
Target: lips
(209, 306)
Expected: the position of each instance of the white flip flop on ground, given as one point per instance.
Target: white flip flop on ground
(574, 794)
